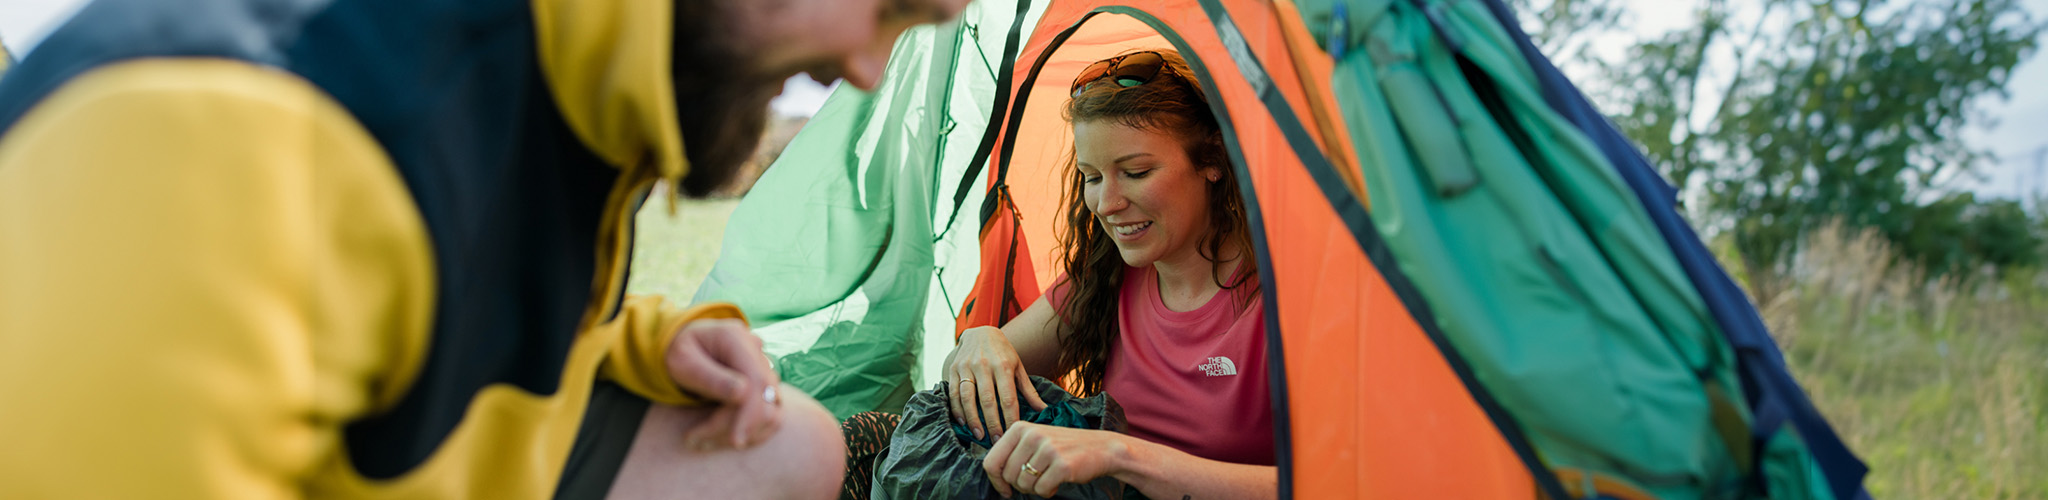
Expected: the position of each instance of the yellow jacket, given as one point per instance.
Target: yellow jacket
(226, 249)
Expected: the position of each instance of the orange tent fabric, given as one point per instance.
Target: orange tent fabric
(1368, 405)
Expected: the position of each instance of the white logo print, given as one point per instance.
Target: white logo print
(1218, 366)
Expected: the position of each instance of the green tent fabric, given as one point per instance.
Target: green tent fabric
(1540, 265)
(858, 211)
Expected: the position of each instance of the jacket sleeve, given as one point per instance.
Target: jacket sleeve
(205, 267)
(638, 361)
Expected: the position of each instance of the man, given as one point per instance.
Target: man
(376, 248)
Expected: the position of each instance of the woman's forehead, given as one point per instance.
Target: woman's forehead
(1101, 143)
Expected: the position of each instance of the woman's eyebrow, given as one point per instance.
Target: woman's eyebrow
(1129, 157)
(1119, 159)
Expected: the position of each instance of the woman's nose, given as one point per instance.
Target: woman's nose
(1112, 197)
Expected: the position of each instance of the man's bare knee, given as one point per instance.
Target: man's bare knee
(811, 444)
(804, 459)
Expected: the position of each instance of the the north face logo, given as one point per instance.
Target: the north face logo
(1218, 366)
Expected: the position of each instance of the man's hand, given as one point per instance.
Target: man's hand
(721, 360)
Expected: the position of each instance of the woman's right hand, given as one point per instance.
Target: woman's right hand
(986, 379)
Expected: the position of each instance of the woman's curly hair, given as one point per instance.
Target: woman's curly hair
(1170, 104)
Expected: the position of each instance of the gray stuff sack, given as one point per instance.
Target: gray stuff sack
(926, 460)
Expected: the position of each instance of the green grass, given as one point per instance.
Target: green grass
(673, 253)
(1940, 389)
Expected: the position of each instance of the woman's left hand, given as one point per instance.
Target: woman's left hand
(1037, 459)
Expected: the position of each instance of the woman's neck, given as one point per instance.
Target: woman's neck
(1189, 281)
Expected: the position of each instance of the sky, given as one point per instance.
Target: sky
(2016, 132)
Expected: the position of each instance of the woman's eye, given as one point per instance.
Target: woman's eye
(1140, 174)
(1091, 179)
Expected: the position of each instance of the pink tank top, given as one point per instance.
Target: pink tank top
(1194, 380)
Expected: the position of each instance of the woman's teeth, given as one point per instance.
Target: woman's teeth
(1132, 229)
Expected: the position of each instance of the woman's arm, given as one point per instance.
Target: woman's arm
(1159, 471)
(1059, 455)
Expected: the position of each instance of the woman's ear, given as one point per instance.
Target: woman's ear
(1213, 174)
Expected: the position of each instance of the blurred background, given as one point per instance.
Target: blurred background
(1874, 172)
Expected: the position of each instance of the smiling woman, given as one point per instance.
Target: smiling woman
(1158, 306)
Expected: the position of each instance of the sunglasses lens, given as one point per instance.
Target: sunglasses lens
(1128, 71)
(1092, 73)
(1139, 69)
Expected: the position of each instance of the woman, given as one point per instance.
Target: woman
(1159, 307)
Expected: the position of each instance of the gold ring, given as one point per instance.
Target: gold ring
(965, 381)
(1032, 470)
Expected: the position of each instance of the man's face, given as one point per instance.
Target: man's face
(731, 57)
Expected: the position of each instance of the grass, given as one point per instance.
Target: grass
(1941, 389)
(673, 253)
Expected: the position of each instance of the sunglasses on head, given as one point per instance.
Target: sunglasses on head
(1128, 70)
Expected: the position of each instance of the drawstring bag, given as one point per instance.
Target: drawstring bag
(930, 458)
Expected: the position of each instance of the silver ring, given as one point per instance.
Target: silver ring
(769, 394)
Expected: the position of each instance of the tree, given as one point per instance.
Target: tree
(1782, 116)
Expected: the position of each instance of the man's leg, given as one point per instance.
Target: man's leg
(805, 459)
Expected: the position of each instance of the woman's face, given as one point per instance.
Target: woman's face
(1144, 190)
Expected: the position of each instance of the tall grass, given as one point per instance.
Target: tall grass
(1941, 388)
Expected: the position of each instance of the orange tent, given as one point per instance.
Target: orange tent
(1369, 406)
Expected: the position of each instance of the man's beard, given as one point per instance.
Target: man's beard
(722, 105)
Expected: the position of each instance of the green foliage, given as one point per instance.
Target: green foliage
(1564, 28)
(1780, 116)
(1956, 235)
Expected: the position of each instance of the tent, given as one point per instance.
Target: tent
(1476, 288)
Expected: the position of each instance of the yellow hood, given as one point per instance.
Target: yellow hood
(607, 64)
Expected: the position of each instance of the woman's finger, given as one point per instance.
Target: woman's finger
(1030, 391)
(1050, 476)
(991, 411)
(1006, 387)
(955, 391)
(994, 463)
(1021, 455)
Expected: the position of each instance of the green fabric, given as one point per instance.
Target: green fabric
(1060, 414)
(848, 254)
(1540, 267)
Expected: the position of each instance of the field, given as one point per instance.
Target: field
(672, 253)
(1942, 389)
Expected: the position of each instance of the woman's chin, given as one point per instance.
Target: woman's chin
(1136, 257)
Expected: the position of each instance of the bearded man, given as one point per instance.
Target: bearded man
(377, 248)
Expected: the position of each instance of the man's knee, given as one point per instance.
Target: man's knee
(811, 442)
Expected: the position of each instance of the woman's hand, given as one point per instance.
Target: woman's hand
(1037, 459)
(985, 378)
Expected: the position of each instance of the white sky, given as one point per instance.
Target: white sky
(2014, 133)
